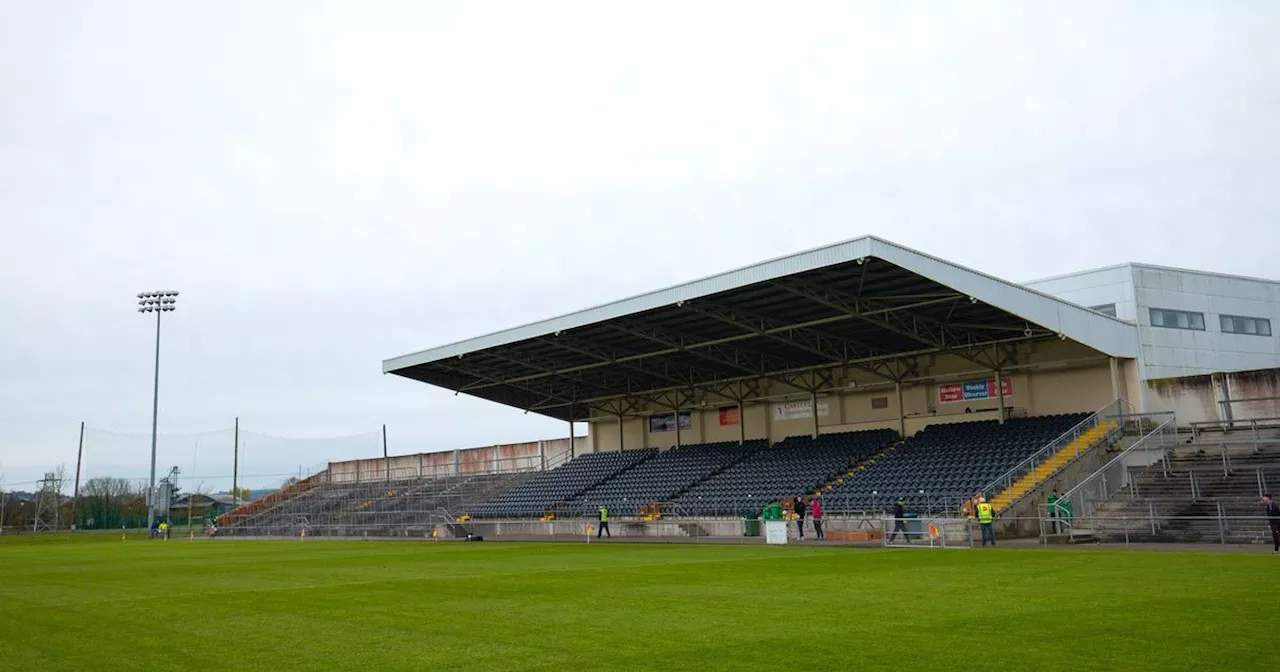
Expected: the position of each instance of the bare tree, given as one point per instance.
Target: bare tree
(108, 501)
(59, 483)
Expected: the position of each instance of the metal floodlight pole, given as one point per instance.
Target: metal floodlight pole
(155, 302)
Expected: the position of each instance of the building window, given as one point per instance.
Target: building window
(879, 402)
(1177, 319)
(1253, 326)
(1105, 309)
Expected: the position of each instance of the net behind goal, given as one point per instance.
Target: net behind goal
(929, 532)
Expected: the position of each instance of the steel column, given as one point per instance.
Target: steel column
(155, 413)
(235, 465)
(1000, 394)
(813, 403)
(742, 424)
(902, 413)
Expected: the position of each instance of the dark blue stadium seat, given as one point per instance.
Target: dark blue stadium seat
(795, 466)
(946, 463)
(564, 483)
(664, 476)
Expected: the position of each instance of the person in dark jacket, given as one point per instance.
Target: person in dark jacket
(1273, 520)
(815, 509)
(900, 520)
(797, 506)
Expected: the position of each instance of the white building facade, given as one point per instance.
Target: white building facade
(1200, 334)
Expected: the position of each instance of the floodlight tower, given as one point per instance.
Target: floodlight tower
(155, 302)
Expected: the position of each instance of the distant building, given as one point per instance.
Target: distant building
(200, 506)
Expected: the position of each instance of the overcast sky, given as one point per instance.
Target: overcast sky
(329, 185)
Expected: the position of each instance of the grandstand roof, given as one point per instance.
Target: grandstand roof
(861, 303)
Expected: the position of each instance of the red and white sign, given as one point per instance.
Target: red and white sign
(976, 390)
(729, 416)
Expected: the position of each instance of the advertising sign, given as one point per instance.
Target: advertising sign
(976, 390)
(666, 423)
(795, 410)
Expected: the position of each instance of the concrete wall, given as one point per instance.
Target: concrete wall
(1197, 398)
(484, 459)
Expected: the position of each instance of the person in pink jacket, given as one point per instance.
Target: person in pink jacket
(816, 514)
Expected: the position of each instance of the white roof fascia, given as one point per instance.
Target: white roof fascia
(1103, 333)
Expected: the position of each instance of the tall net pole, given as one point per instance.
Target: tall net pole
(75, 492)
(235, 466)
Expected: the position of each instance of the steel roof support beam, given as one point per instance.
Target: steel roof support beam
(677, 340)
(573, 345)
(905, 363)
(496, 382)
(835, 349)
(668, 351)
(544, 368)
(488, 378)
(998, 357)
(923, 330)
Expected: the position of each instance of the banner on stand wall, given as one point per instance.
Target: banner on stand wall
(667, 423)
(975, 390)
(796, 410)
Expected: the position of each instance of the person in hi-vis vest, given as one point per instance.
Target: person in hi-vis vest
(604, 523)
(986, 516)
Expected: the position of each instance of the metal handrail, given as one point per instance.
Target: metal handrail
(1025, 465)
(1159, 430)
(1226, 426)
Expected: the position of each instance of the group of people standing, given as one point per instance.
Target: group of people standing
(160, 530)
(814, 509)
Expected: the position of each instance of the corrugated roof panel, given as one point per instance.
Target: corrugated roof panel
(1100, 332)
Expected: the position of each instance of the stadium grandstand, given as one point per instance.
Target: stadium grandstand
(862, 374)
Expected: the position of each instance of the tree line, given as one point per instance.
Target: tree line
(104, 502)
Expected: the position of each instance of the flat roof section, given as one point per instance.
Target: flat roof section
(859, 303)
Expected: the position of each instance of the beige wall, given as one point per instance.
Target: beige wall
(1133, 384)
(1080, 380)
(1070, 390)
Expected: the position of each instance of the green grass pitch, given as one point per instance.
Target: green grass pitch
(97, 603)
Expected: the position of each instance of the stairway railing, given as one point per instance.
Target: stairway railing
(1102, 484)
(1114, 409)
